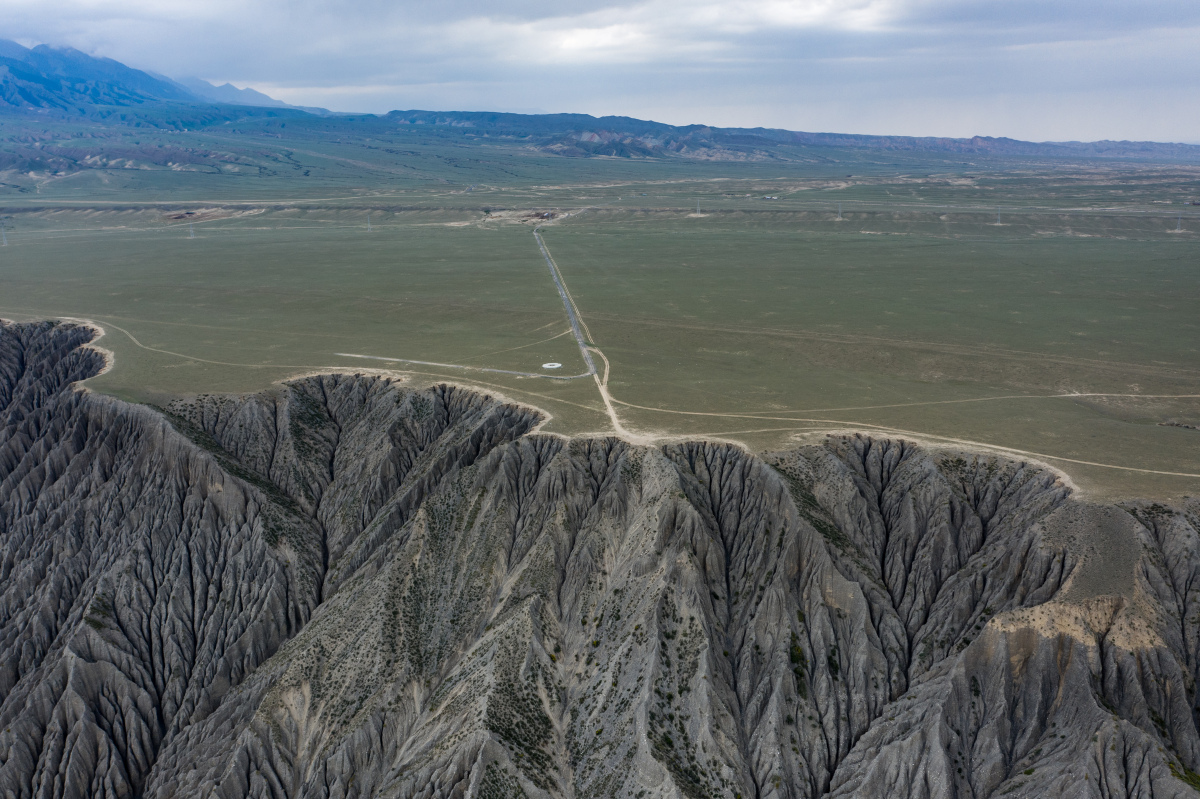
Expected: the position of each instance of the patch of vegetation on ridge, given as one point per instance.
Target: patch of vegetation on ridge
(305, 415)
(810, 508)
(670, 742)
(499, 783)
(1184, 774)
(631, 468)
(99, 612)
(275, 529)
(516, 715)
(799, 666)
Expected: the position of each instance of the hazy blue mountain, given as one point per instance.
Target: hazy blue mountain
(229, 94)
(582, 134)
(10, 49)
(67, 79)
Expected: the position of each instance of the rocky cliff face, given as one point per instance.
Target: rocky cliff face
(348, 587)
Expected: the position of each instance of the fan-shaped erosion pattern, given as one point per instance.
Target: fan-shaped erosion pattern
(350, 587)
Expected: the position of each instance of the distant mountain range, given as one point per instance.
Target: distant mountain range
(228, 94)
(581, 134)
(68, 80)
(62, 81)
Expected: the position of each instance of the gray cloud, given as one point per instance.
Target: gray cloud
(1047, 69)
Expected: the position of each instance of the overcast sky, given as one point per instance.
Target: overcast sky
(1030, 69)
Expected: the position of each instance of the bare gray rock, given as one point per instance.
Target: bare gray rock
(349, 587)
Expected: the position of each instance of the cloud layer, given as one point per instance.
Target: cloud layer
(1046, 69)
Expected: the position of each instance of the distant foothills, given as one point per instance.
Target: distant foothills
(61, 83)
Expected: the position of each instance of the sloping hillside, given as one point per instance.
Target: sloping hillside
(353, 587)
(65, 79)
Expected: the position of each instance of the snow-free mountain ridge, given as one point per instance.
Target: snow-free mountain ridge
(67, 82)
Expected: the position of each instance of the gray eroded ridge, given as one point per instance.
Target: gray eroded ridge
(350, 587)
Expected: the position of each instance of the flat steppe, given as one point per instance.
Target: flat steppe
(1047, 309)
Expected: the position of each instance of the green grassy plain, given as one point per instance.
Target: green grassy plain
(952, 301)
(969, 332)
